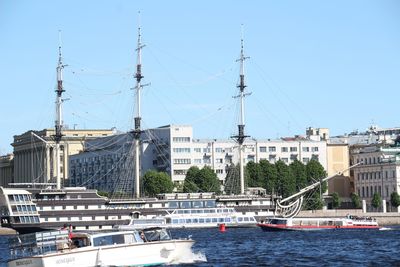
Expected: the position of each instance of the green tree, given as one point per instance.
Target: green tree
(270, 175)
(208, 180)
(156, 183)
(190, 185)
(376, 201)
(255, 178)
(315, 202)
(201, 180)
(298, 170)
(315, 172)
(395, 199)
(356, 200)
(336, 200)
(286, 182)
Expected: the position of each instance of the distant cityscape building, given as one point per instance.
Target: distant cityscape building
(6, 169)
(173, 149)
(378, 172)
(34, 156)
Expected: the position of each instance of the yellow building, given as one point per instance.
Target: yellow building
(338, 160)
(34, 155)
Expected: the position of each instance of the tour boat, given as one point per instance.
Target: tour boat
(311, 224)
(153, 246)
(193, 218)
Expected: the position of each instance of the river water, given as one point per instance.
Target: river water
(253, 247)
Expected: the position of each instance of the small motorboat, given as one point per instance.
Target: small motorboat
(153, 246)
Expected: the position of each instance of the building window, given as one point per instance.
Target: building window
(180, 172)
(182, 161)
(314, 149)
(286, 160)
(219, 160)
(284, 149)
(306, 149)
(219, 150)
(219, 171)
(272, 149)
(181, 139)
(306, 160)
(263, 149)
(181, 150)
(197, 161)
(272, 158)
(293, 149)
(197, 150)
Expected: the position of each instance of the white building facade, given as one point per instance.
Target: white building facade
(172, 149)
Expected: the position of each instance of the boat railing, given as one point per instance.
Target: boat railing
(38, 243)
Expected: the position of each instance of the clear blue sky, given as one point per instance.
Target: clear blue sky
(332, 64)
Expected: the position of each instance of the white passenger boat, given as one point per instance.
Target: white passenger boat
(152, 246)
(193, 218)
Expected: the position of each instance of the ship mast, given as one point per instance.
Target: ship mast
(241, 136)
(58, 122)
(137, 119)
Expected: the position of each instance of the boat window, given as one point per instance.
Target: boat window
(195, 220)
(108, 240)
(186, 211)
(197, 204)
(212, 211)
(180, 211)
(173, 204)
(10, 197)
(208, 220)
(130, 238)
(209, 203)
(174, 221)
(228, 220)
(201, 220)
(240, 219)
(220, 219)
(225, 210)
(215, 220)
(185, 204)
(252, 219)
(188, 220)
(181, 220)
(246, 219)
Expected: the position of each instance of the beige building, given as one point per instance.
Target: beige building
(338, 160)
(6, 169)
(34, 155)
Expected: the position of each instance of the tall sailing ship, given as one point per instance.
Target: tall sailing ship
(34, 207)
